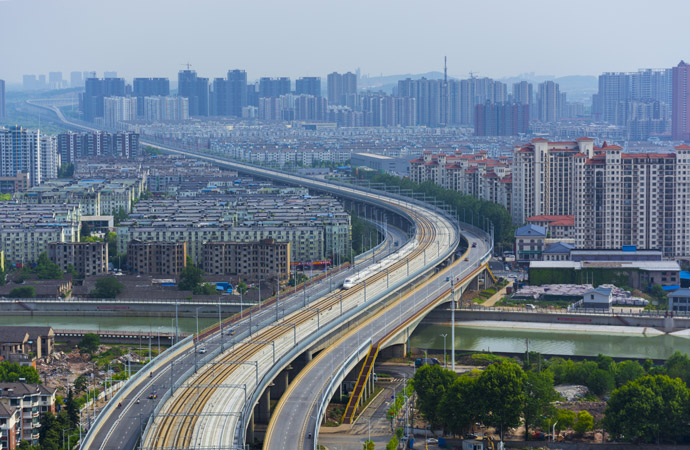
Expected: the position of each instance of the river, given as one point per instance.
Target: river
(187, 325)
(428, 336)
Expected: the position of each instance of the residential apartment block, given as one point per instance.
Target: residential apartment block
(543, 182)
(633, 199)
(31, 401)
(87, 258)
(471, 174)
(29, 152)
(252, 261)
(27, 229)
(157, 258)
(316, 227)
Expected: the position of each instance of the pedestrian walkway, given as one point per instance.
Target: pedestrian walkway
(491, 301)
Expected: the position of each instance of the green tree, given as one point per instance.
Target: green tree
(539, 393)
(12, 372)
(111, 239)
(190, 277)
(673, 395)
(72, 409)
(431, 382)
(242, 287)
(392, 444)
(631, 413)
(606, 363)
(24, 445)
(501, 390)
(368, 445)
(205, 289)
(80, 384)
(457, 409)
(600, 382)
(564, 419)
(119, 215)
(659, 295)
(678, 366)
(23, 292)
(107, 287)
(65, 171)
(627, 371)
(46, 269)
(5, 197)
(89, 343)
(585, 422)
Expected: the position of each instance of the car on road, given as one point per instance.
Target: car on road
(474, 244)
(230, 332)
(202, 350)
(422, 361)
(467, 259)
(530, 306)
(153, 395)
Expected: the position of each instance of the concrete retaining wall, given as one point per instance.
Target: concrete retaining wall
(442, 315)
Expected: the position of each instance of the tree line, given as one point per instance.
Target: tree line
(648, 403)
(470, 209)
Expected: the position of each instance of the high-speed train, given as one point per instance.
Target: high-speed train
(352, 280)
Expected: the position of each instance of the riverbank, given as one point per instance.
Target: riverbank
(561, 327)
(565, 343)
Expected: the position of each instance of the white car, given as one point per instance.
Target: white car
(202, 350)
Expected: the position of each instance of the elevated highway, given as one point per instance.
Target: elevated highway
(212, 406)
(301, 408)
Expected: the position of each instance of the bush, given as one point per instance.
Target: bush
(23, 292)
(585, 422)
(108, 287)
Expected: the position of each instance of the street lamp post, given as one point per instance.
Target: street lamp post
(445, 363)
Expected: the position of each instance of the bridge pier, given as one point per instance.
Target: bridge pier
(263, 408)
(281, 384)
(250, 429)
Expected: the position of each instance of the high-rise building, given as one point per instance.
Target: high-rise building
(549, 101)
(274, 87)
(341, 87)
(680, 121)
(168, 108)
(119, 109)
(27, 151)
(3, 111)
(95, 91)
(196, 90)
(149, 87)
(543, 182)
(71, 145)
(55, 80)
(501, 119)
(633, 199)
(523, 94)
(308, 86)
(110, 74)
(229, 95)
(76, 79)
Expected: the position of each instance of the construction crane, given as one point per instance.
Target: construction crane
(189, 66)
(472, 74)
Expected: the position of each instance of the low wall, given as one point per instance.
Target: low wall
(442, 315)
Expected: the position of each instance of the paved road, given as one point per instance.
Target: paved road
(122, 430)
(296, 413)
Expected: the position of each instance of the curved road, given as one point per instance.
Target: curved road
(295, 414)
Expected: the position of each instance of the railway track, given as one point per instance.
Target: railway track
(185, 421)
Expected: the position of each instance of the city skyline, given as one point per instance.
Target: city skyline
(213, 39)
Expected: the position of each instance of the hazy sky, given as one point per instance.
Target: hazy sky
(495, 38)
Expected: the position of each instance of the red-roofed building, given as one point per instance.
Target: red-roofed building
(557, 227)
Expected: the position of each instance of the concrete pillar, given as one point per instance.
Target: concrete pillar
(668, 324)
(264, 407)
(308, 355)
(250, 429)
(281, 384)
